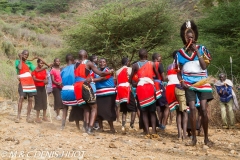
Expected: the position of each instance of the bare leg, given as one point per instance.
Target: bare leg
(45, 115)
(138, 113)
(38, 120)
(184, 123)
(199, 122)
(100, 125)
(77, 125)
(204, 120)
(153, 122)
(193, 122)
(65, 110)
(93, 115)
(57, 112)
(111, 126)
(145, 121)
(160, 114)
(117, 108)
(179, 123)
(29, 108)
(20, 101)
(133, 116)
(165, 115)
(86, 113)
(124, 116)
(170, 117)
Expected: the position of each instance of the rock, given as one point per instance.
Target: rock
(17, 142)
(205, 147)
(112, 145)
(232, 151)
(26, 142)
(176, 145)
(84, 134)
(10, 139)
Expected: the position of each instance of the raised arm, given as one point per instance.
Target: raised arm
(200, 58)
(95, 70)
(20, 61)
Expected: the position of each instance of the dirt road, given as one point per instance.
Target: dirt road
(46, 141)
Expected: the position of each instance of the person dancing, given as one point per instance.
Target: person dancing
(125, 94)
(145, 90)
(192, 61)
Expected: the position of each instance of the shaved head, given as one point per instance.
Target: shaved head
(83, 54)
(143, 53)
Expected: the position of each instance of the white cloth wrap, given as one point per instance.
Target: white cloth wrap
(68, 87)
(145, 80)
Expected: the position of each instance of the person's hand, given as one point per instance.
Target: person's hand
(220, 91)
(88, 80)
(35, 57)
(184, 85)
(193, 47)
(50, 65)
(20, 55)
(45, 81)
(112, 71)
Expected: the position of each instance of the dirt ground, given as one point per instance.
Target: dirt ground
(47, 141)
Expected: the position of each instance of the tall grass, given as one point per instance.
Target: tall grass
(8, 82)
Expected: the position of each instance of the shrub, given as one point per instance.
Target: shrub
(9, 82)
(9, 49)
(54, 6)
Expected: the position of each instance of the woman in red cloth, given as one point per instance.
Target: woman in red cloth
(40, 80)
(175, 95)
(125, 95)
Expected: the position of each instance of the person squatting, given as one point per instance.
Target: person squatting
(92, 90)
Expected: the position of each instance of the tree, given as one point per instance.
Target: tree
(221, 28)
(120, 29)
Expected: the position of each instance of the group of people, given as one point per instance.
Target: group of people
(93, 90)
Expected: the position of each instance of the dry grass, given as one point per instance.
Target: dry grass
(215, 119)
(9, 82)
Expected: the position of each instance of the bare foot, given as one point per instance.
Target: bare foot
(208, 143)
(29, 120)
(191, 143)
(17, 120)
(113, 131)
(37, 120)
(45, 119)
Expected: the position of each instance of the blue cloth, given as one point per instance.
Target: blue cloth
(93, 86)
(79, 79)
(68, 78)
(108, 83)
(67, 75)
(181, 59)
(68, 95)
(226, 93)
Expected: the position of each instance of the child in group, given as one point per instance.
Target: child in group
(56, 87)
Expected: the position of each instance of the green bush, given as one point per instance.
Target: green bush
(9, 82)
(53, 6)
(9, 49)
